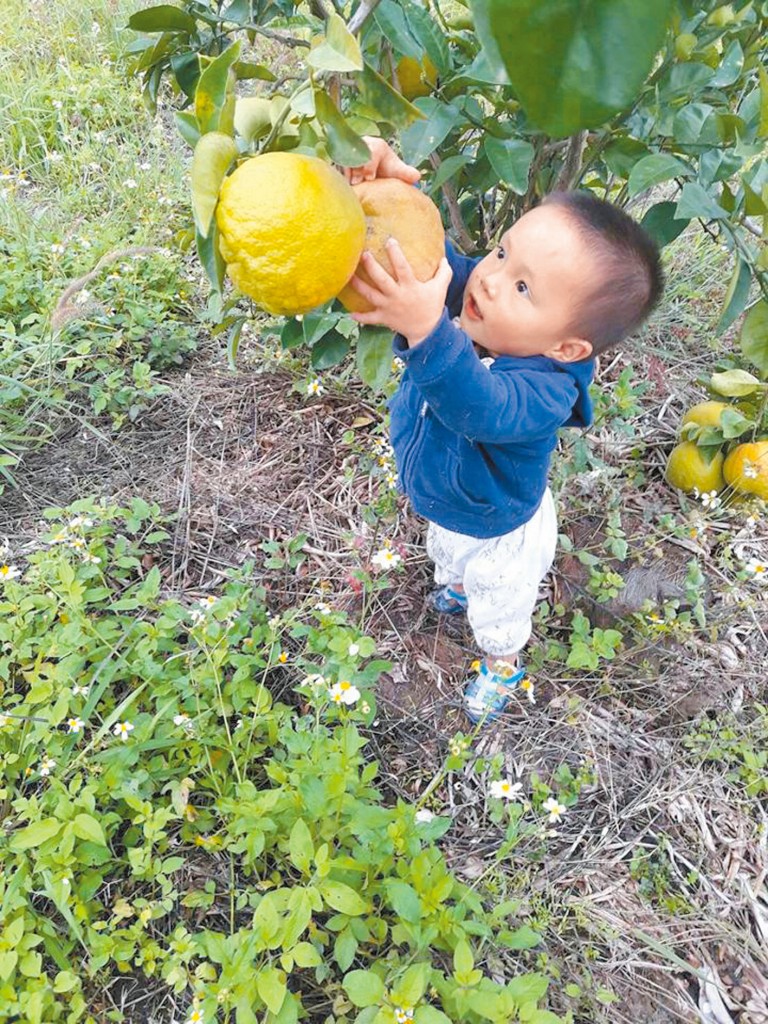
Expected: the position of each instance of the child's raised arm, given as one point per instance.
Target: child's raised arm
(384, 163)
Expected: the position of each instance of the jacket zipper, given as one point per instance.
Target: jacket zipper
(414, 443)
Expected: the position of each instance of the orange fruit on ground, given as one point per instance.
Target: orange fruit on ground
(706, 414)
(688, 470)
(292, 231)
(395, 210)
(746, 468)
(416, 78)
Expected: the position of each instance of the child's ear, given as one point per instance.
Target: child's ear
(571, 350)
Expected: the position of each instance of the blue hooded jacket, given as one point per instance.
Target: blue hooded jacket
(473, 442)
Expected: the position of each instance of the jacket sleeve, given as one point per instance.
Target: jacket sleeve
(462, 267)
(471, 400)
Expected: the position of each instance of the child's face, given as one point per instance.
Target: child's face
(520, 299)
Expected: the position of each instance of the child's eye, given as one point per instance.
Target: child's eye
(522, 287)
(500, 252)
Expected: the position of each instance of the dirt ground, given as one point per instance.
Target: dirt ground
(241, 458)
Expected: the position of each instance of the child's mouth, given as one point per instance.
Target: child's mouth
(470, 308)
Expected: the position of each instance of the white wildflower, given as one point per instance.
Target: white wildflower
(386, 558)
(505, 789)
(46, 765)
(344, 692)
(554, 809)
(424, 816)
(758, 568)
(314, 387)
(123, 730)
(9, 572)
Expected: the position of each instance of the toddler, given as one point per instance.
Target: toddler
(499, 354)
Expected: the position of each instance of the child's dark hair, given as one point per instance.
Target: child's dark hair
(634, 279)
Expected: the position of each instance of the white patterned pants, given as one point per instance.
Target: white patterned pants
(500, 576)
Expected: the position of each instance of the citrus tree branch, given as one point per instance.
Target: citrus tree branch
(361, 15)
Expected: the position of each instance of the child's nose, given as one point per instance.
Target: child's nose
(489, 286)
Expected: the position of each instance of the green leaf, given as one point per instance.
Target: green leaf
(409, 989)
(734, 423)
(421, 139)
(306, 955)
(448, 167)
(734, 383)
(364, 988)
(186, 68)
(291, 334)
(345, 948)
(212, 158)
(374, 356)
(87, 827)
(210, 257)
(343, 898)
(391, 106)
(300, 846)
(763, 128)
(245, 69)
(754, 336)
(523, 937)
(425, 30)
(329, 351)
(661, 224)
(338, 51)
(696, 125)
(736, 296)
(233, 341)
(463, 961)
(253, 117)
(345, 147)
(430, 1015)
(36, 834)
(215, 93)
(511, 160)
(270, 983)
(694, 201)
(729, 69)
(163, 18)
(574, 63)
(186, 123)
(653, 169)
(404, 899)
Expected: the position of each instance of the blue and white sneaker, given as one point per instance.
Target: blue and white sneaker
(447, 601)
(488, 693)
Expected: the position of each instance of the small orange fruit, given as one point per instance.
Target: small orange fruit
(688, 470)
(746, 468)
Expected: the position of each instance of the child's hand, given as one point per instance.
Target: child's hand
(400, 301)
(384, 163)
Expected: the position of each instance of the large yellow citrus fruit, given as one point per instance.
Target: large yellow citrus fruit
(416, 78)
(687, 469)
(292, 231)
(706, 414)
(746, 468)
(396, 210)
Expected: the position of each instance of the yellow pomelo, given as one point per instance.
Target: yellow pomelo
(705, 414)
(687, 469)
(292, 231)
(416, 78)
(396, 210)
(746, 468)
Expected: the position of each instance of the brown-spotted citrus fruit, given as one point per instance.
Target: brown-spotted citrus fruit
(688, 469)
(746, 468)
(706, 414)
(396, 210)
(292, 231)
